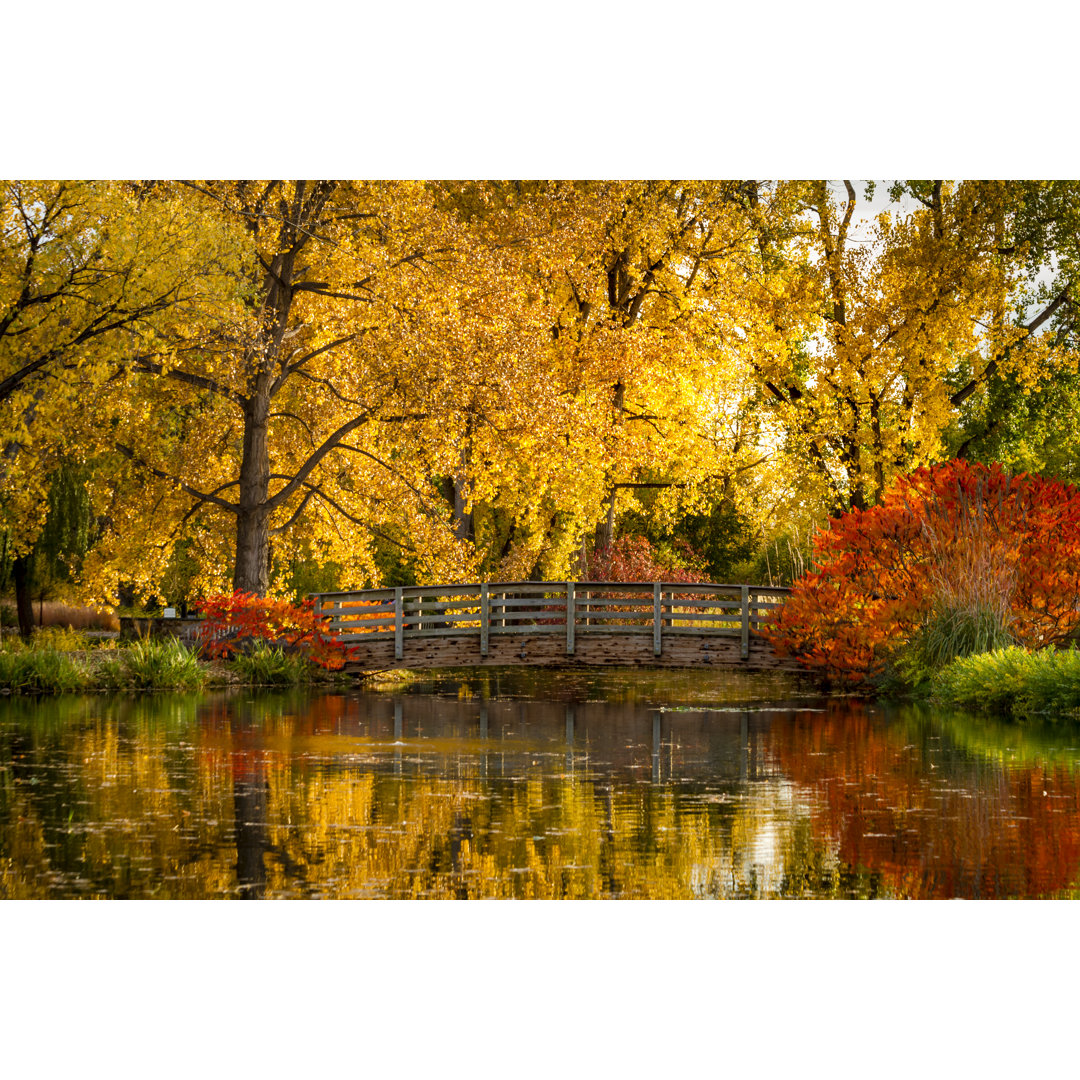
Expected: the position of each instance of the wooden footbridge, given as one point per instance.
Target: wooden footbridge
(556, 624)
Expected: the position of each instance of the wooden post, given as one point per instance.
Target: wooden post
(570, 618)
(656, 620)
(485, 618)
(746, 622)
(399, 623)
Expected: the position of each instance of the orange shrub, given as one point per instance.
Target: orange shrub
(946, 538)
(229, 620)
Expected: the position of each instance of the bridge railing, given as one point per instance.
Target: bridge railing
(570, 608)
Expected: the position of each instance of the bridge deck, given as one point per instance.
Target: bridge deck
(566, 623)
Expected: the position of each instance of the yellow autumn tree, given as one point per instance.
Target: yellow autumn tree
(603, 353)
(86, 270)
(907, 323)
(295, 423)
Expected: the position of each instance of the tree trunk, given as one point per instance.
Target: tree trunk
(252, 572)
(463, 522)
(605, 531)
(23, 603)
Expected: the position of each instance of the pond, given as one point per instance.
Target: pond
(518, 783)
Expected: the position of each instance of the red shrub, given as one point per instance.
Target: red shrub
(946, 538)
(230, 620)
(633, 558)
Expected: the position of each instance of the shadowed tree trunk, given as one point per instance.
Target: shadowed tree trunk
(23, 605)
(252, 572)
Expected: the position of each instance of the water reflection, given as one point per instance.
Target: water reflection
(502, 787)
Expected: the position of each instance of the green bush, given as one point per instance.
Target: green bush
(948, 633)
(1012, 681)
(40, 671)
(154, 664)
(953, 632)
(265, 665)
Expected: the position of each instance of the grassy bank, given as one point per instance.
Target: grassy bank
(62, 662)
(1013, 682)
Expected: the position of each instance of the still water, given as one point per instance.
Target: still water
(532, 784)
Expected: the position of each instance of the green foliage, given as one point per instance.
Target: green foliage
(66, 536)
(265, 665)
(39, 671)
(176, 585)
(1013, 681)
(720, 537)
(154, 664)
(1032, 430)
(305, 576)
(947, 634)
(395, 565)
(69, 526)
(779, 561)
(953, 632)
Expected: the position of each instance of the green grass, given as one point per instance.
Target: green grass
(948, 634)
(153, 664)
(40, 671)
(954, 632)
(265, 665)
(150, 664)
(61, 638)
(1013, 682)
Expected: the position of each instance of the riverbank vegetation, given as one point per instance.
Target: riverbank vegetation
(70, 664)
(1015, 682)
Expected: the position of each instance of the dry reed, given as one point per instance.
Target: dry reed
(55, 613)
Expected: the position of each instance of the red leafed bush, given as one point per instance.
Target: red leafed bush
(632, 558)
(231, 620)
(947, 539)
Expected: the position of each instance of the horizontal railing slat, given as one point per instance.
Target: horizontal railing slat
(441, 620)
(440, 607)
(358, 627)
(511, 604)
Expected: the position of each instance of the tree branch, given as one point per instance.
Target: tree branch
(331, 443)
(202, 496)
(965, 392)
(191, 379)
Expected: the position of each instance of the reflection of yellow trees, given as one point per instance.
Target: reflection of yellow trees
(153, 817)
(116, 820)
(117, 799)
(24, 867)
(367, 834)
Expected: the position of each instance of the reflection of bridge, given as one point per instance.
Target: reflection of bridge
(557, 623)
